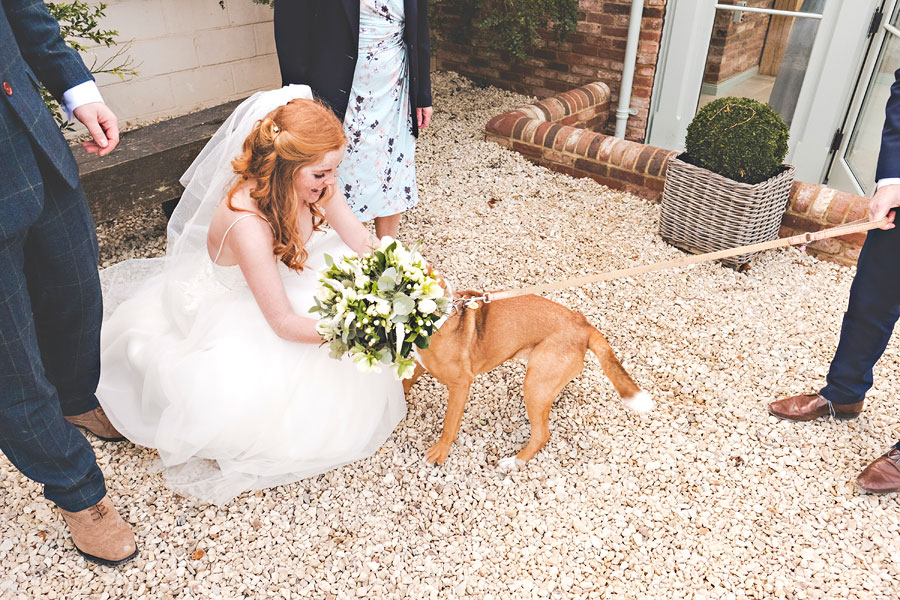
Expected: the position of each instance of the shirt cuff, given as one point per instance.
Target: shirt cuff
(887, 181)
(83, 93)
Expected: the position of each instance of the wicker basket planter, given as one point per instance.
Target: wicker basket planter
(705, 212)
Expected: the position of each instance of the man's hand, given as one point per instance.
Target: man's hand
(424, 116)
(101, 123)
(886, 198)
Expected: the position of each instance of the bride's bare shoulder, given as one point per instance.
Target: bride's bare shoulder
(238, 205)
(227, 215)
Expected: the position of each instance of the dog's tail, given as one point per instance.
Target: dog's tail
(632, 396)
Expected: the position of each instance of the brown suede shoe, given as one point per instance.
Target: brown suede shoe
(807, 407)
(100, 534)
(97, 423)
(883, 475)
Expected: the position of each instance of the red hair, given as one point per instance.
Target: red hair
(289, 138)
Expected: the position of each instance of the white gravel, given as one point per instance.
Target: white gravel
(707, 497)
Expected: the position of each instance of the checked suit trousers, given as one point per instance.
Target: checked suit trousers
(50, 315)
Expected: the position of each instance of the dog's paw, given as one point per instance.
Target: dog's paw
(436, 455)
(640, 403)
(511, 463)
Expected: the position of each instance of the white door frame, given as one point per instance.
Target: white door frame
(840, 169)
(821, 105)
(834, 89)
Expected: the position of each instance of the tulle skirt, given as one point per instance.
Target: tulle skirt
(190, 366)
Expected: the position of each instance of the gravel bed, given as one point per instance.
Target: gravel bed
(706, 497)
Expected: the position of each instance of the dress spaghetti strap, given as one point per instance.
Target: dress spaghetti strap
(233, 223)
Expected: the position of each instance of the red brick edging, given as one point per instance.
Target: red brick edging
(557, 132)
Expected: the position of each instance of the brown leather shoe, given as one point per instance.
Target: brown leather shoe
(883, 475)
(100, 534)
(97, 423)
(807, 407)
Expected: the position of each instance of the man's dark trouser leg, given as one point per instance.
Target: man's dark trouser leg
(50, 313)
(872, 311)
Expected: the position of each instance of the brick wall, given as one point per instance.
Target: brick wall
(814, 207)
(736, 47)
(594, 52)
(555, 132)
(189, 54)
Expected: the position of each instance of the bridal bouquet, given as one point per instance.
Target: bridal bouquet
(379, 307)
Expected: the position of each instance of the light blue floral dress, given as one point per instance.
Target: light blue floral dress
(378, 173)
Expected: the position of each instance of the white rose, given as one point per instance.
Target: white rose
(432, 289)
(324, 293)
(403, 256)
(427, 306)
(366, 363)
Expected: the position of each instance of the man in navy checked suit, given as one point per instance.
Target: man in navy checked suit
(50, 303)
(872, 312)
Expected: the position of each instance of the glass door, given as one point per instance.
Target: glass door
(854, 164)
(802, 56)
(761, 52)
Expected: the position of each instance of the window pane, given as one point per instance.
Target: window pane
(763, 57)
(865, 139)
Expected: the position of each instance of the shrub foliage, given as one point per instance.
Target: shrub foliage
(509, 26)
(739, 138)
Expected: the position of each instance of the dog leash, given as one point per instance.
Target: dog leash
(799, 239)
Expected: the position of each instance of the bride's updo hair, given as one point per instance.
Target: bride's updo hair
(289, 138)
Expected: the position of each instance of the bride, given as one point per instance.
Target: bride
(207, 355)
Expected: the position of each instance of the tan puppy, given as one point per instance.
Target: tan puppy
(552, 338)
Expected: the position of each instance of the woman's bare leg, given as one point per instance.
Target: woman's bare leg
(389, 225)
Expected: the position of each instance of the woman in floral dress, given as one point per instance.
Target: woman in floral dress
(369, 60)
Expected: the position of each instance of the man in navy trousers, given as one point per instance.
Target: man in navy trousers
(871, 314)
(50, 303)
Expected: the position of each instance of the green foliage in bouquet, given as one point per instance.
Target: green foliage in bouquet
(379, 307)
(739, 138)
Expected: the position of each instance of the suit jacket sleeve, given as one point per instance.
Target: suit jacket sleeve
(56, 65)
(424, 43)
(292, 39)
(889, 155)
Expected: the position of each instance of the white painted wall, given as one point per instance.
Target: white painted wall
(189, 54)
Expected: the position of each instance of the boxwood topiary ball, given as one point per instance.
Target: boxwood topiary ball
(739, 138)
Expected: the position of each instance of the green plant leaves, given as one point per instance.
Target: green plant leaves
(739, 138)
(509, 26)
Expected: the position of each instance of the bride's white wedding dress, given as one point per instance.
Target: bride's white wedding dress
(190, 366)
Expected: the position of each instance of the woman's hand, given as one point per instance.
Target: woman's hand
(423, 115)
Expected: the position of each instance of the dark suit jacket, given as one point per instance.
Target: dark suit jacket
(317, 42)
(889, 156)
(30, 43)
